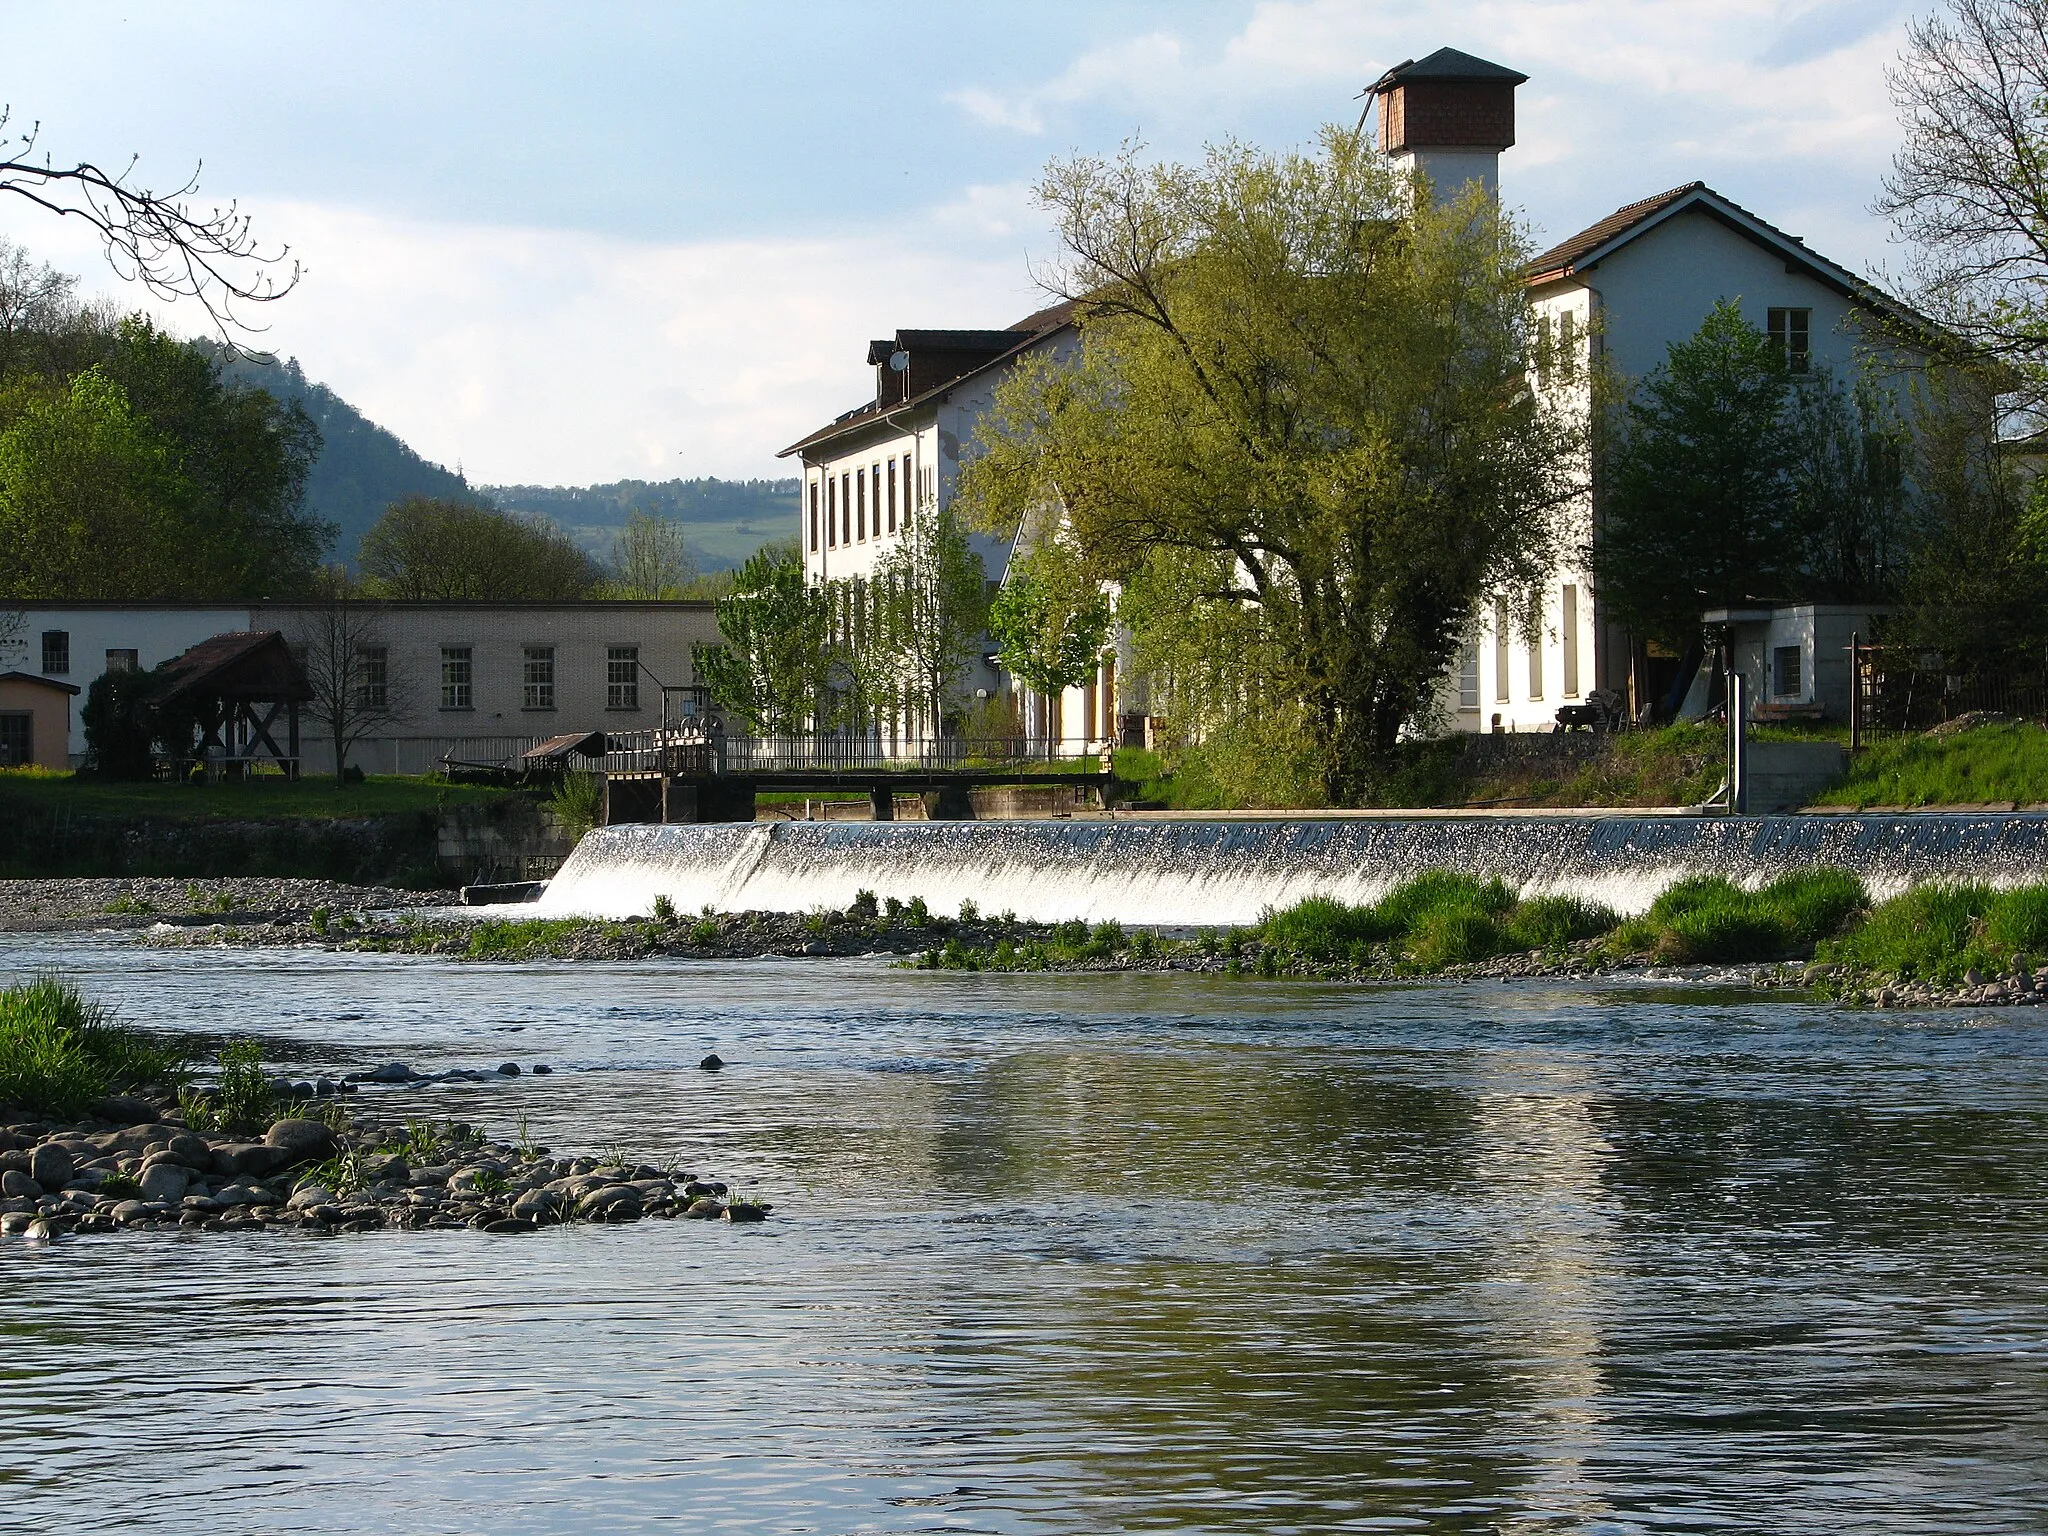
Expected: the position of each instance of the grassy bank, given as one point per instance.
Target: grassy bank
(59, 1053)
(1998, 764)
(266, 798)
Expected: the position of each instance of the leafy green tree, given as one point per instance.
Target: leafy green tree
(1850, 451)
(89, 497)
(650, 560)
(1300, 405)
(775, 660)
(1696, 467)
(424, 549)
(929, 612)
(1050, 621)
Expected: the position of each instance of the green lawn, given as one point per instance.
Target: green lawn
(1987, 765)
(268, 798)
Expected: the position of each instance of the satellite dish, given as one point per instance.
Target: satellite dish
(899, 362)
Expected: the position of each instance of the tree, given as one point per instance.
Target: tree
(1300, 404)
(1975, 584)
(1696, 498)
(89, 497)
(650, 560)
(358, 690)
(929, 607)
(1049, 621)
(156, 239)
(1849, 452)
(773, 665)
(424, 549)
(1967, 186)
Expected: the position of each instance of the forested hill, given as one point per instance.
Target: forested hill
(723, 521)
(362, 467)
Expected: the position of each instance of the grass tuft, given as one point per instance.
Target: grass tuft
(60, 1052)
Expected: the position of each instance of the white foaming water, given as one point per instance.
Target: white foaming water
(1184, 873)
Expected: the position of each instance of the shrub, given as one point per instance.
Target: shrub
(578, 803)
(1742, 929)
(1324, 929)
(1553, 922)
(1404, 906)
(2017, 923)
(1453, 935)
(1814, 904)
(864, 906)
(917, 913)
(705, 931)
(1928, 934)
(241, 1102)
(59, 1052)
(664, 910)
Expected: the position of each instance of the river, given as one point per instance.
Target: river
(1081, 1254)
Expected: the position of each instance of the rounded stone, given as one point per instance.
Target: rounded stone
(300, 1138)
(542, 1069)
(50, 1166)
(165, 1181)
(16, 1185)
(508, 1069)
(711, 1063)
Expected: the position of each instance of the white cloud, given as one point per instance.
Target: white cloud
(549, 357)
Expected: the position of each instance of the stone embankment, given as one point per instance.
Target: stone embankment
(62, 906)
(342, 1174)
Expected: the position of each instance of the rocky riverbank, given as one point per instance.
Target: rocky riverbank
(64, 906)
(339, 1173)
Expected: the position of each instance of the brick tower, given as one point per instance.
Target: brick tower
(1449, 116)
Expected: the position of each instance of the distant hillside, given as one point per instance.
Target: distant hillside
(724, 521)
(362, 468)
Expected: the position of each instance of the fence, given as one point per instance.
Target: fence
(678, 753)
(1897, 696)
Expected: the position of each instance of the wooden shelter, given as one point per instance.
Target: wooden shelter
(234, 689)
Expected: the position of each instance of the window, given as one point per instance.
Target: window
(373, 690)
(1468, 677)
(1567, 359)
(1543, 358)
(860, 506)
(457, 675)
(622, 677)
(846, 509)
(1791, 332)
(123, 661)
(1535, 647)
(831, 512)
(1785, 671)
(1568, 624)
(57, 651)
(892, 495)
(814, 517)
(539, 678)
(17, 739)
(1500, 650)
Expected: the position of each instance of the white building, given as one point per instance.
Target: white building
(1619, 292)
(477, 681)
(868, 473)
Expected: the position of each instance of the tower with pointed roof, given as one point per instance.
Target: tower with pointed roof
(1449, 116)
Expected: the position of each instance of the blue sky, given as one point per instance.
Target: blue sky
(572, 243)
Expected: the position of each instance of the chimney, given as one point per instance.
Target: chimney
(1448, 116)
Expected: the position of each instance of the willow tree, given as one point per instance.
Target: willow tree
(1297, 430)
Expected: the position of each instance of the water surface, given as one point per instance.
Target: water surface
(1087, 1254)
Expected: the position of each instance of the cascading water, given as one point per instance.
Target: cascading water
(1217, 872)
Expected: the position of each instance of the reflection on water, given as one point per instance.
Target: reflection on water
(1088, 1254)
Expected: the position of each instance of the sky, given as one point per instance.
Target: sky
(567, 244)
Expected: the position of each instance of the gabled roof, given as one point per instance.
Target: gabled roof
(1445, 64)
(1593, 244)
(244, 664)
(1026, 333)
(40, 682)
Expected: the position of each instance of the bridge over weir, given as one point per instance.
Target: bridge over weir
(669, 776)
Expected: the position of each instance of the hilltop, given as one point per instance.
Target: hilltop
(364, 467)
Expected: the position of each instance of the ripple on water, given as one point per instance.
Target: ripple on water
(1060, 1254)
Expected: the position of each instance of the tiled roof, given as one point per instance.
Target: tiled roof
(1561, 257)
(246, 663)
(1032, 328)
(1446, 64)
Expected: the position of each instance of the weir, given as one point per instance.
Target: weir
(1177, 873)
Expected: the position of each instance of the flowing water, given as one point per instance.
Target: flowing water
(1218, 872)
(1086, 1254)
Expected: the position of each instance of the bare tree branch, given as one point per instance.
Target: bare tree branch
(156, 239)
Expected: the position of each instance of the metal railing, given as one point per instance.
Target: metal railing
(1896, 695)
(688, 752)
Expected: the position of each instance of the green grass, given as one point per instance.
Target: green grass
(1987, 765)
(1936, 933)
(59, 1052)
(523, 940)
(269, 798)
